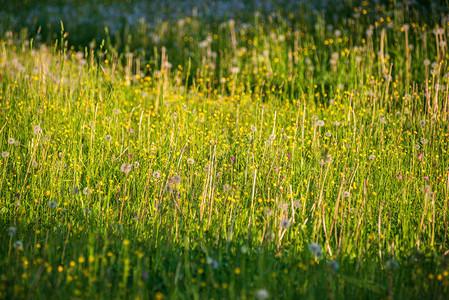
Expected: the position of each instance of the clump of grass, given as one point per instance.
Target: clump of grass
(275, 158)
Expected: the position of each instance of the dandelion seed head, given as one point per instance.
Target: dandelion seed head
(297, 203)
(235, 70)
(18, 245)
(11, 230)
(176, 179)
(212, 262)
(87, 191)
(391, 264)
(427, 189)
(315, 249)
(126, 168)
(283, 206)
(334, 265)
(285, 223)
(11, 141)
(37, 130)
(262, 294)
(423, 141)
(5, 154)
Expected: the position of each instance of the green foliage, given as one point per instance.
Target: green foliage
(271, 151)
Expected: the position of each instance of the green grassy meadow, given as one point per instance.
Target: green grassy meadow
(226, 150)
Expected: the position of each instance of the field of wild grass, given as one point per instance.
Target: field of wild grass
(225, 150)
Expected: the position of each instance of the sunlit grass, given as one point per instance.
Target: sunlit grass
(277, 158)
